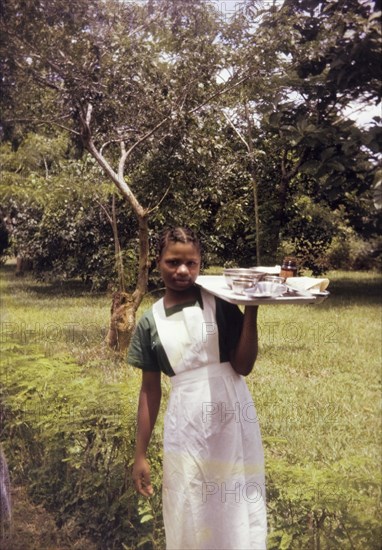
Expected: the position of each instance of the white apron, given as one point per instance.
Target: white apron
(213, 466)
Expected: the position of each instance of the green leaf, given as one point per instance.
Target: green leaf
(310, 167)
(286, 541)
(146, 518)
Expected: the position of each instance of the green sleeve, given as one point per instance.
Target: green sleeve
(141, 352)
(146, 351)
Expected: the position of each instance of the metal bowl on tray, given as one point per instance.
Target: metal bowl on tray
(241, 283)
(241, 273)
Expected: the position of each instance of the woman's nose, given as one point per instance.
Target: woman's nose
(183, 269)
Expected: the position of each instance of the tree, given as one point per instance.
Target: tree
(136, 86)
(119, 77)
(39, 187)
(303, 78)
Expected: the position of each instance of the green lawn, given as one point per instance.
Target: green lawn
(316, 386)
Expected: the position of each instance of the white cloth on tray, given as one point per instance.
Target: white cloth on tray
(308, 283)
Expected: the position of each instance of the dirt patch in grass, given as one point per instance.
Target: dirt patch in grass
(33, 528)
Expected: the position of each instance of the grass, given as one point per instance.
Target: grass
(316, 386)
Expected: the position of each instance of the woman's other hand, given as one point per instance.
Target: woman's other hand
(141, 477)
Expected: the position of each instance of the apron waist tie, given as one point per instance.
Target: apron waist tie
(202, 373)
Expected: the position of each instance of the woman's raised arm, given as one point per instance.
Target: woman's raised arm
(245, 354)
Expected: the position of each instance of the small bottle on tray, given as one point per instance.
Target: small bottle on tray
(289, 267)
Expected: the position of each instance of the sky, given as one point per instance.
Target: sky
(363, 115)
(228, 7)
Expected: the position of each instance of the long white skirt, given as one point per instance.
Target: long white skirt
(213, 472)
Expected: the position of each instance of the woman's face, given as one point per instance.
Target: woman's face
(179, 265)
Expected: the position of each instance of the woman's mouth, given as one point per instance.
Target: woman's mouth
(183, 282)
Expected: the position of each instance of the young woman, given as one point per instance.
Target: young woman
(213, 468)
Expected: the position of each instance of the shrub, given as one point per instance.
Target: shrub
(72, 443)
(309, 233)
(349, 251)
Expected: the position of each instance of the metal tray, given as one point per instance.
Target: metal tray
(215, 284)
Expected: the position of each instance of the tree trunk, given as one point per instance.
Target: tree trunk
(122, 321)
(257, 217)
(288, 172)
(117, 250)
(285, 179)
(124, 305)
(255, 188)
(283, 194)
(22, 265)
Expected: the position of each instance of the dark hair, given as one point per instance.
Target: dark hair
(177, 235)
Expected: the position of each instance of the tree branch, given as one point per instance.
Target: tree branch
(119, 182)
(148, 134)
(217, 94)
(119, 140)
(160, 202)
(106, 212)
(127, 153)
(237, 131)
(89, 111)
(40, 122)
(37, 77)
